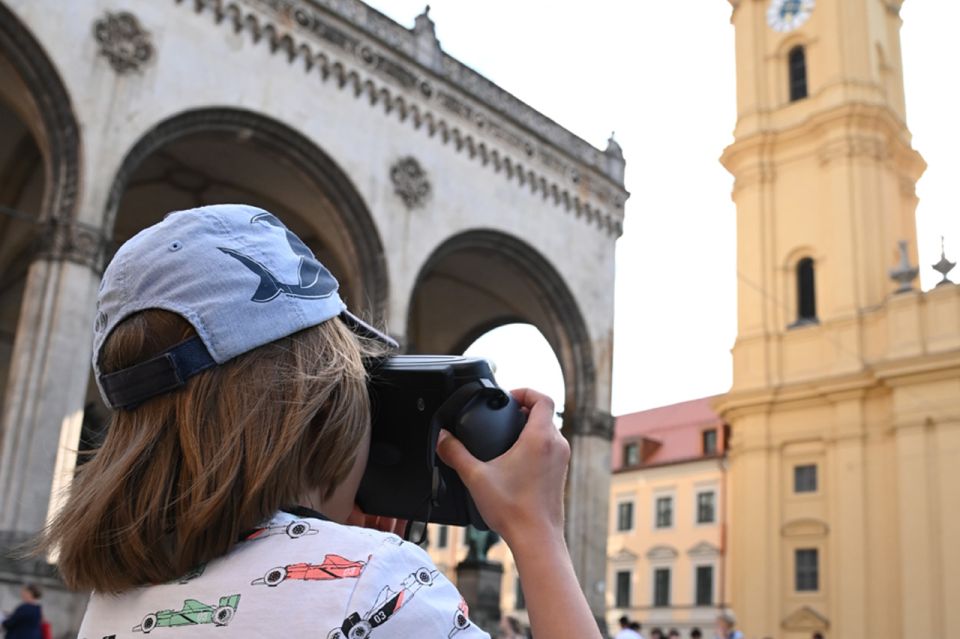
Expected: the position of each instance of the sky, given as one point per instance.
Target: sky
(662, 76)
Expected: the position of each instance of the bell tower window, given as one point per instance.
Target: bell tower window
(797, 66)
(806, 293)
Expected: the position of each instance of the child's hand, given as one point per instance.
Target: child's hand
(384, 524)
(520, 492)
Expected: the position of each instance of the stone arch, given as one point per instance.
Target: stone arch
(53, 123)
(364, 249)
(473, 267)
(39, 178)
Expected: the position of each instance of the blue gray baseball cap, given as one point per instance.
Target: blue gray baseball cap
(234, 272)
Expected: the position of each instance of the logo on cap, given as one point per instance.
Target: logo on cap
(315, 281)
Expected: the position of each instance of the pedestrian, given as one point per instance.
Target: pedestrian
(239, 434)
(24, 621)
(725, 627)
(627, 631)
(818, 635)
(673, 634)
(696, 634)
(656, 633)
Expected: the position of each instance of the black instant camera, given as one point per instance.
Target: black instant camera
(412, 398)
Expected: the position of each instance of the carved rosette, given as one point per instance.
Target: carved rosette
(124, 43)
(410, 182)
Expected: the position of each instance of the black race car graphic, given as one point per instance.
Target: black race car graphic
(461, 618)
(387, 603)
(293, 529)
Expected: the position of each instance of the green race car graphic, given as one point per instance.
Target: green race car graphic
(193, 613)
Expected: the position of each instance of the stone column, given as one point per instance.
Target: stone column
(44, 402)
(48, 372)
(587, 504)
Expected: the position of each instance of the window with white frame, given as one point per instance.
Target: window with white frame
(704, 586)
(706, 507)
(625, 516)
(807, 570)
(623, 589)
(805, 478)
(663, 515)
(661, 587)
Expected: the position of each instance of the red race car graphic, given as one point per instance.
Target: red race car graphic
(293, 529)
(461, 618)
(333, 567)
(387, 603)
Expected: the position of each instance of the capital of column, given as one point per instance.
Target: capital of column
(72, 241)
(595, 422)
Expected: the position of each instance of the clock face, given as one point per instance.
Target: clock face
(787, 15)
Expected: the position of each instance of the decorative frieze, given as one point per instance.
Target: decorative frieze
(123, 42)
(424, 112)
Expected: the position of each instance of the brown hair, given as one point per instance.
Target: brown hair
(179, 478)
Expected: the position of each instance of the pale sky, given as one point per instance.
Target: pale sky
(661, 74)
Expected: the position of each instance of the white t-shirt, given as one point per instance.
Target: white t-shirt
(295, 577)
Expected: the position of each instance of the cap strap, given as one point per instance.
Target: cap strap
(129, 387)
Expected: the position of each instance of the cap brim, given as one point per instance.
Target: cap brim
(363, 329)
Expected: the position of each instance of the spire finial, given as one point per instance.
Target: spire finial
(944, 266)
(904, 273)
(613, 147)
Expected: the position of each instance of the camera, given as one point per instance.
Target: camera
(412, 397)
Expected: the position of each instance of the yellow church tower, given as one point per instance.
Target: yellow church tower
(845, 405)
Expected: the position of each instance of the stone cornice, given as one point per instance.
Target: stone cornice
(395, 36)
(449, 102)
(862, 130)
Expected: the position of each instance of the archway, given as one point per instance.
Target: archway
(482, 279)
(39, 171)
(216, 156)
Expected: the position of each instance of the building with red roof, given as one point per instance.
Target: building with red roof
(666, 530)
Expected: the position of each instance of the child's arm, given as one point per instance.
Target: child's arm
(520, 495)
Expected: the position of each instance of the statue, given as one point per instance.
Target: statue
(479, 543)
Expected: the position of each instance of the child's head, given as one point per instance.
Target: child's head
(239, 387)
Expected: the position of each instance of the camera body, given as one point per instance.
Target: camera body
(412, 397)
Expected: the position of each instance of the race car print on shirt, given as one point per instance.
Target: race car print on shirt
(193, 613)
(293, 529)
(332, 567)
(387, 603)
(461, 618)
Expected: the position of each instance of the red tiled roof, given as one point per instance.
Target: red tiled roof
(667, 434)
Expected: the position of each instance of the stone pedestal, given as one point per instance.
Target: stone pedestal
(479, 583)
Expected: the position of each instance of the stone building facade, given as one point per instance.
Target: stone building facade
(845, 404)
(445, 206)
(668, 494)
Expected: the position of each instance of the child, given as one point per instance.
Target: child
(238, 439)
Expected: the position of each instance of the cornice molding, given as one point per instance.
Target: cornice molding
(451, 104)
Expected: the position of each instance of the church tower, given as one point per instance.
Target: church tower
(845, 405)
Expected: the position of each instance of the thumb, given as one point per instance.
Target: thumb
(455, 455)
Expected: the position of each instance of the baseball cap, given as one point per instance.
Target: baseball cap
(234, 272)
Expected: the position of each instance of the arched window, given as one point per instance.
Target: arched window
(797, 65)
(806, 293)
